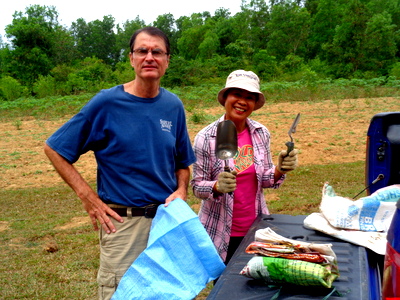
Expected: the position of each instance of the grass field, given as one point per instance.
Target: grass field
(48, 249)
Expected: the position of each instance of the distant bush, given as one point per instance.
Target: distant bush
(11, 89)
(198, 117)
(75, 84)
(45, 86)
(395, 70)
(123, 72)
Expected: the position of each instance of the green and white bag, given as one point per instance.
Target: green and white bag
(280, 270)
(273, 269)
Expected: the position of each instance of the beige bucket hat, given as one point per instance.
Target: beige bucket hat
(246, 80)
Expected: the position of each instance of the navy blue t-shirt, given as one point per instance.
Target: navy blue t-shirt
(138, 143)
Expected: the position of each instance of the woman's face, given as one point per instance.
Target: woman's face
(239, 105)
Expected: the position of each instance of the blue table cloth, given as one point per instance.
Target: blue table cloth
(179, 261)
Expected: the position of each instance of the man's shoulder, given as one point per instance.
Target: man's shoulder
(170, 95)
(105, 94)
(112, 90)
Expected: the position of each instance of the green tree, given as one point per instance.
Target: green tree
(5, 59)
(265, 65)
(38, 43)
(257, 16)
(124, 36)
(345, 54)
(390, 6)
(181, 72)
(224, 28)
(380, 44)
(166, 23)
(192, 35)
(34, 28)
(209, 46)
(65, 51)
(241, 52)
(328, 15)
(96, 39)
(312, 6)
(195, 20)
(290, 29)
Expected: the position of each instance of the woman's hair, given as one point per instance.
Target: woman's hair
(225, 94)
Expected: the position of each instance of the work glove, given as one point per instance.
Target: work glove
(226, 182)
(287, 162)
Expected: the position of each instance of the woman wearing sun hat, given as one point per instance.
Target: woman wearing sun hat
(231, 201)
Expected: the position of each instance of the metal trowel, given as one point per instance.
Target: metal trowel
(290, 145)
(226, 145)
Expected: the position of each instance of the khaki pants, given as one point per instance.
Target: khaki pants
(119, 250)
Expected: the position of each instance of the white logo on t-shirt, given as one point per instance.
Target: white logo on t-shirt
(166, 125)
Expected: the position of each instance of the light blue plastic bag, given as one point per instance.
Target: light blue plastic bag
(179, 261)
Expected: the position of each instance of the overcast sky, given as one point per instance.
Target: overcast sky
(122, 10)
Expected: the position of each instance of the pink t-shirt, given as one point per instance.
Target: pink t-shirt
(244, 209)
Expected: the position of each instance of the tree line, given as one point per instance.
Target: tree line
(278, 39)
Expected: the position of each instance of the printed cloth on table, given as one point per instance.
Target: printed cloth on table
(281, 260)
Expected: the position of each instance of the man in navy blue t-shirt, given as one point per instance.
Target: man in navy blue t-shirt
(138, 134)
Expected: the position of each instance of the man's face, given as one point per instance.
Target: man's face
(149, 67)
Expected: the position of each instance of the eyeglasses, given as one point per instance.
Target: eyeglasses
(156, 53)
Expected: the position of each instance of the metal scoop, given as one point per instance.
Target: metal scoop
(226, 145)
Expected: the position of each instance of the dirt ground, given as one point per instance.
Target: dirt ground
(328, 132)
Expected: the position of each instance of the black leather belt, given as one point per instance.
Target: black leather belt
(147, 211)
